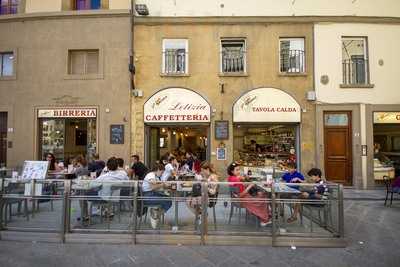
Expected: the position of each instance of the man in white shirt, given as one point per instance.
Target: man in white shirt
(170, 169)
(152, 187)
(113, 175)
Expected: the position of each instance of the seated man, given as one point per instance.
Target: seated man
(153, 196)
(316, 193)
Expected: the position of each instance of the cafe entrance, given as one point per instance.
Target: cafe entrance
(177, 121)
(67, 137)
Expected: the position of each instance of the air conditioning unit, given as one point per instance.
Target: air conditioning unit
(311, 96)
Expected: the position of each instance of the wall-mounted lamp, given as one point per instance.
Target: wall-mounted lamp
(142, 9)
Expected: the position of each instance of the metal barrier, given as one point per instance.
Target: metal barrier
(183, 212)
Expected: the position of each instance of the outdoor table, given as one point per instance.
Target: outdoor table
(180, 190)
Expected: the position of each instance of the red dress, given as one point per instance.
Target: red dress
(257, 207)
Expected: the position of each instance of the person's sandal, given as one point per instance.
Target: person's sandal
(291, 219)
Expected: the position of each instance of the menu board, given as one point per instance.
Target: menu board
(117, 134)
(34, 170)
(221, 130)
(221, 153)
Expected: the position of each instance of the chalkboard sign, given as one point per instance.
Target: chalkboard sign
(117, 134)
(221, 130)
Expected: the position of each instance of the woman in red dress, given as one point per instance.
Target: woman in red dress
(254, 204)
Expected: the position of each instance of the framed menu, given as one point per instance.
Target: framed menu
(221, 130)
(221, 153)
(117, 134)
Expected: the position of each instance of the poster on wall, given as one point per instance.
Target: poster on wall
(221, 130)
(221, 153)
(34, 170)
(117, 134)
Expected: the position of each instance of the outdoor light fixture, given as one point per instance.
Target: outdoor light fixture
(142, 9)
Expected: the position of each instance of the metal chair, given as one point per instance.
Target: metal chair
(236, 205)
(389, 189)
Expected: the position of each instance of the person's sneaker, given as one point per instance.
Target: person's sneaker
(154, 218)
(264, 224)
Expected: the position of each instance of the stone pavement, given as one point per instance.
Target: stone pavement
(373, 233)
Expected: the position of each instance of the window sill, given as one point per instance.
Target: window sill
(83, 77)
(174, 74)
(233, 74)
(293, 74)
(350, 86)
(8, 78)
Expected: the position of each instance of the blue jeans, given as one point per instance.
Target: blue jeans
(163, 203)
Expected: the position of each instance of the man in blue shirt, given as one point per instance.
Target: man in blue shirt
(292, 176)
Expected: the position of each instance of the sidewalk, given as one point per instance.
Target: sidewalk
(372, 231)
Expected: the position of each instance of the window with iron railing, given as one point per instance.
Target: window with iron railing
(292, 55)
(9, 7)
(233, 56)
(87, 4)
(355, 61)
(175, 56)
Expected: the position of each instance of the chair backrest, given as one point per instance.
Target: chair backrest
(234, 191)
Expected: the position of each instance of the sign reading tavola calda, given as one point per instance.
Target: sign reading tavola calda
(174, 105)
(266, 105)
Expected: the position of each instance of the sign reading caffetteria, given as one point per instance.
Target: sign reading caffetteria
(266, 105)
(67, 113)
(387, 117)
(174, 105)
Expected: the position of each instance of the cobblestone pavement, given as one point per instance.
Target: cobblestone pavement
(373, 233)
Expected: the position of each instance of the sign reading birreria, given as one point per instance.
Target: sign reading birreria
(266, 105)
(174, 105)
(67, 113)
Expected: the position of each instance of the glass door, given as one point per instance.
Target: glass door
(153, 145)
(52, 137)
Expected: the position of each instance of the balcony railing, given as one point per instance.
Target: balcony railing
(292, 61)
(9, 7)
(175, 61)
(233, 61)
(355, 71)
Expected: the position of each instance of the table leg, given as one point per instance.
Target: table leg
(176, 209)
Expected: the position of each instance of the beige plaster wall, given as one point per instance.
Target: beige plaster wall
(41, 68)
(262, 66)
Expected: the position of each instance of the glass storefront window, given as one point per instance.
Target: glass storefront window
(53, 131)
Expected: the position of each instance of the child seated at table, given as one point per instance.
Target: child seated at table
(256, 207)
(316, 193)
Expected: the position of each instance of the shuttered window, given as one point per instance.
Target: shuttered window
(83, 62)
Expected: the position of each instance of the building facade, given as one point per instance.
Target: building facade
(230, 89)
(358, 101)
(65, 84)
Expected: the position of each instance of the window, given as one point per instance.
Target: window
(87, 4)
(355, 61)
(233, 56)
(175, 56)
(83, 62)
(292, 59)
(8, 7)
(6, 64)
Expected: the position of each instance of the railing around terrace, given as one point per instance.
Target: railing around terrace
(184, 212)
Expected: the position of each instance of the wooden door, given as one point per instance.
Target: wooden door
(338, 147)
(3, 139)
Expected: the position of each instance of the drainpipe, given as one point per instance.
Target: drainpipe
(131, 51)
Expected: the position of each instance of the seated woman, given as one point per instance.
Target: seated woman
(152, 188)
(257, 207)
(80, 166)
(52, 162)
(316, 193)
(208, 174)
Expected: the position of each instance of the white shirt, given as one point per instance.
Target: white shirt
(110, 176)
(148, 180)
(167, 172)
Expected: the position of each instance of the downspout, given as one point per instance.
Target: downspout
(131, 68)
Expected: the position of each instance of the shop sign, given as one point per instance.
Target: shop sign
(266, 105)
(176, 105)
(386, 117)
(67, 113)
